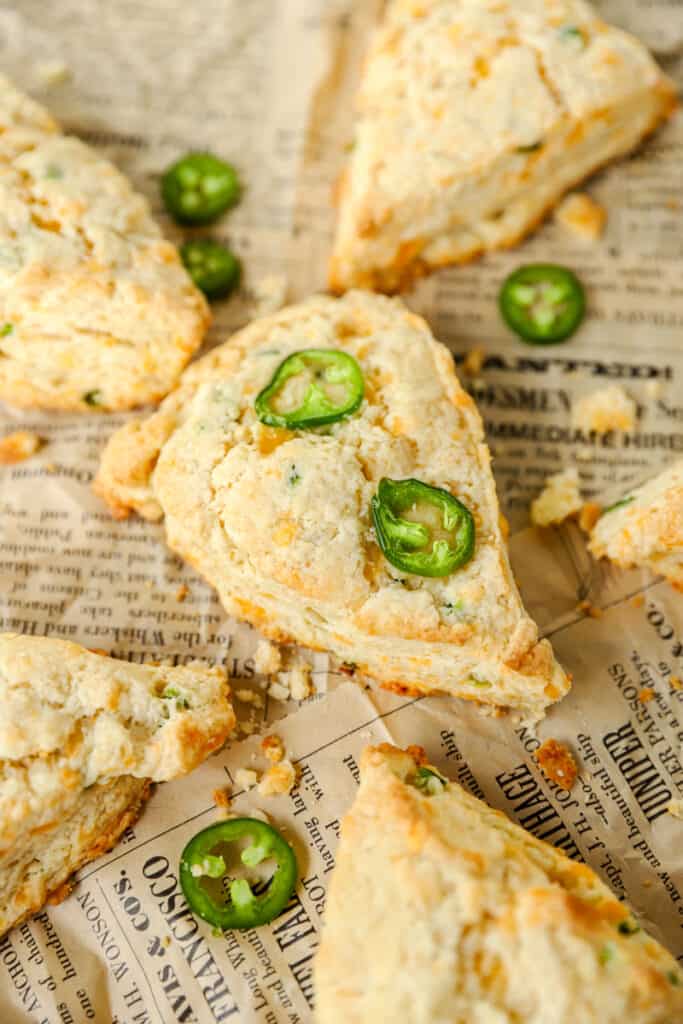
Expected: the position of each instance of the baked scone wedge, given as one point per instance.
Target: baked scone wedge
(474, 118)
(280, 522)
(645, 528)
(442, 911)
(82, 738)
(96, 310)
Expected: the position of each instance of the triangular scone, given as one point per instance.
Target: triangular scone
(279, 521)
(475, 116)
(96, 309)
(82, 737)
(645, 528)
(441, 911)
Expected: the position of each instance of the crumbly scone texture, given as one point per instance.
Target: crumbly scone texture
(646, 527)
(98, 312)
(474, 118)
(81, 737)
(279, 522)
(442, 911)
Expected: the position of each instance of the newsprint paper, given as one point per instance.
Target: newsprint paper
(268, 85)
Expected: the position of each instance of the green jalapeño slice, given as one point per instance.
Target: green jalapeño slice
(422, 530)
(542, 303)
(227, 902)
(213, 268)
(199, 188)
(311, 388)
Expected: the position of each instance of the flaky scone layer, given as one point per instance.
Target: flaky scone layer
(441, 911)
(81, 737)
(279, 522)
(474, 118)
(97, 311)
(646, 527)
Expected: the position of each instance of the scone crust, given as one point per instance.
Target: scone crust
(98, 312)
(647, 529)
(81, 738)
(294, 553)
(440, 909)
(474, 118)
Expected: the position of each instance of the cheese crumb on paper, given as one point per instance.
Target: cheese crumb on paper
(675, 807)
(607, 409)
(557, 763)
(20, 445)
(273, 747)
(278, 780)
(559, 499)
(473, 362)
(581, 216)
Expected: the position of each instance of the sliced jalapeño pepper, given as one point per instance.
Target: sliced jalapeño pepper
(311, 388)
(421, 529)
(212, 267)
(542, 303)
(227, 902)
(198, 188)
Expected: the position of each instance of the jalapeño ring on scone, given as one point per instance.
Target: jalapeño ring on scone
(229, 902)
(311, 388)
(421, 529)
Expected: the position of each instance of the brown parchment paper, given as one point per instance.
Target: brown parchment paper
(268, 84)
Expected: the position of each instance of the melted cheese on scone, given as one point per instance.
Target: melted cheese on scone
(441, 911)
(474, 118)
(97, 311)
(646, 527)
(279, 521)
(81, 737)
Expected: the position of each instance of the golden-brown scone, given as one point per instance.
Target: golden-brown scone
(82, 737)
(441, 911)
(279, 522)
(97, 311)
(474, 118)
(645, 528)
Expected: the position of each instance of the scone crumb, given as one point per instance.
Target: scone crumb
(590, 609)
(250, 697)
(579, 214)
(646, 695)
(278, 692)
(300, 685)
(603, 410)
(557, 763)
(473, 362)
(559, 499)
(273, 747)
(182, 592)
(418, 754)
(675, 807)
(267, 658)
(654, 388)
(20, 445)
(279, 779)
(638, 601)
(675, 683)
(246, 778)
(589, 515)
